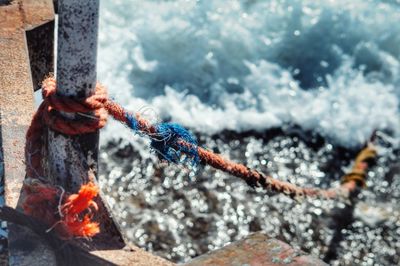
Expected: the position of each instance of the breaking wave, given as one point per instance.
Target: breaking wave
(331, 67)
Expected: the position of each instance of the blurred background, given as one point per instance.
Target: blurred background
(290, 88)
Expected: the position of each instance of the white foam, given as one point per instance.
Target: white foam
(213, 66)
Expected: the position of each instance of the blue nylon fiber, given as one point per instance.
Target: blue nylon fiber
(165, 142)
(132, 122)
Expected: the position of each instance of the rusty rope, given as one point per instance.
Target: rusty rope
(170, 140)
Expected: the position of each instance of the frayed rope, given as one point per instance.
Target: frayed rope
(170, 141)
(74, 214)
(166, 141)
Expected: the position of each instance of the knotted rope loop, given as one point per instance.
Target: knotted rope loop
(70, 214)
(54, 104)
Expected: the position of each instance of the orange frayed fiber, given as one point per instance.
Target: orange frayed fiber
(75, 205)
(70, 215)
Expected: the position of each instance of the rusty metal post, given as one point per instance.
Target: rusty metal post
(71, 158)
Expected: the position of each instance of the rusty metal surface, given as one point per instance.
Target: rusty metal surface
(256, 250)
(66, 252)
(72, 158)
(77, 47)
(16, 91)
(15, 87)
(28, 250)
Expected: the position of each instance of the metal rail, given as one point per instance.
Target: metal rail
(71, 158)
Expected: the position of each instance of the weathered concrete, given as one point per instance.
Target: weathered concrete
(131, 256)
(256, 250)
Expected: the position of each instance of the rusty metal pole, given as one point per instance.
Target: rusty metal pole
(72, 158)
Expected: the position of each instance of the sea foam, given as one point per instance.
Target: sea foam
(331, 67)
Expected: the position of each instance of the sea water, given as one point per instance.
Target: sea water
(323, 74)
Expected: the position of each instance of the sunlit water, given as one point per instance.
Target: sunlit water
(178, 214)
(291, 88)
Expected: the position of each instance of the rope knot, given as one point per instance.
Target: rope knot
(53, 104)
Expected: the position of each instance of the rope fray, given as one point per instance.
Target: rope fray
(74, 211)
(71, 214)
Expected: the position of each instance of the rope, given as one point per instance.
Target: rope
(74, 212)
(171, 142)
